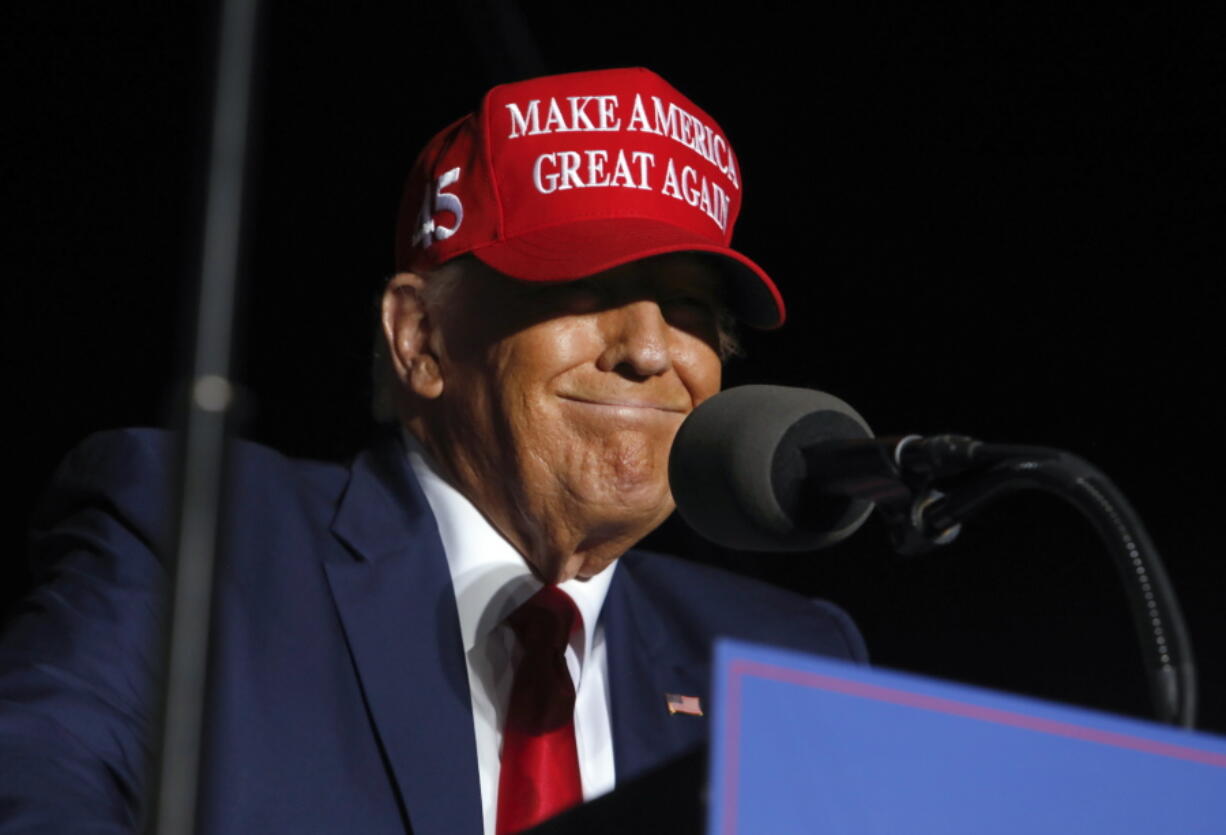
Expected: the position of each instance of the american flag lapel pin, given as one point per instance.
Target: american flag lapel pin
(689, 705)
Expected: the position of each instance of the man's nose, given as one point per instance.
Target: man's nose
(637, 340)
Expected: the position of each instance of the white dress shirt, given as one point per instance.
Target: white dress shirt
(491, 580)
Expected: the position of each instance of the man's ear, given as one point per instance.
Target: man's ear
(411, 340)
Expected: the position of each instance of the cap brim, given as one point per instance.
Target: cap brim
(584, 248)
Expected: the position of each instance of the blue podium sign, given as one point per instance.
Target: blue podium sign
(811, 745)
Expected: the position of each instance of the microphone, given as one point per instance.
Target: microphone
(769, 468)
(772, 468)
(740, 475)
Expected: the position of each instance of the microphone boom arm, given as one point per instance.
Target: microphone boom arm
(900, 476)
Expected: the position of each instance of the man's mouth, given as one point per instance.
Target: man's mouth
(625, 403)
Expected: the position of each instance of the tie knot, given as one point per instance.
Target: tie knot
(545, 620)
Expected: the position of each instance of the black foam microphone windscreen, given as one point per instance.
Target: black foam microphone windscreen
(738, 472)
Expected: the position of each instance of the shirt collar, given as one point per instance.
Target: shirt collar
(491, 579)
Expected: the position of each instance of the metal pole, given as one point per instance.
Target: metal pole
(176, 772)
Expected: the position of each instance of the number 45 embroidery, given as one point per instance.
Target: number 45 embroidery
(440, 201)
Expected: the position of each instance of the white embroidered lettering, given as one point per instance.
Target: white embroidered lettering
(522, 123)
(621, 172)
(596, 175)
(644, 159)
(568, 170)
(428, 230)
(554, 121)
(548, 183)
(638, 117)
(666, 118)
(578, 113)
(670, 181)
(691, 193)
(720, 201)
(607, 108)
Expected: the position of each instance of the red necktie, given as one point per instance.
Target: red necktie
(540, 763)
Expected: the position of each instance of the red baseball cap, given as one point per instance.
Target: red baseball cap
(561, 177)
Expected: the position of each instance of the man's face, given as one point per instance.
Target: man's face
(559, 402)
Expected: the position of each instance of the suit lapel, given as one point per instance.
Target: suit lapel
(397, 607)
(647, 660)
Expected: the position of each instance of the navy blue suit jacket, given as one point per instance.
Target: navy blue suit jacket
(338, 698)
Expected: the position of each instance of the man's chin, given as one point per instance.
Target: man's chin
(629, 516)
(627, 493)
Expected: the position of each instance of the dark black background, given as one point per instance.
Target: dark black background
(1003, 223)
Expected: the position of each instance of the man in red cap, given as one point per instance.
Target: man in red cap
(564, 301)
(454, 634)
